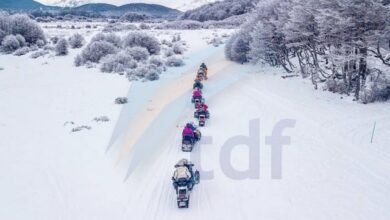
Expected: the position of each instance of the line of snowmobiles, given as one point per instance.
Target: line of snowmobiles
(185, 176)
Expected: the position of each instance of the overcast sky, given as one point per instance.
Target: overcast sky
(169, 3)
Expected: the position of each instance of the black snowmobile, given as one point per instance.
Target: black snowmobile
(184, 179)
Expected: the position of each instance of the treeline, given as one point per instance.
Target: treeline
(220, 10)
(341, 43)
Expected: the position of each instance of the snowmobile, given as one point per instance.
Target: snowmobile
(184, 178)
(198, 85)
(188, 142)
(202, 120)
(198, 112)
(197, 100)
(201, 75)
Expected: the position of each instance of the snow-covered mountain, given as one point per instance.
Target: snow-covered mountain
(194, 4)
(70, 3)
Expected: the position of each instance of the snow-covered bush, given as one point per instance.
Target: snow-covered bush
(149, 72)
(79, 61)
(336, 86)
(101, 119)
(110, 38)
(80, 128)
(98, 49)
(138, 53)
(2, 35)
(22, 51)
(76, 41)
(38, 54)
(28, 28)
(133, 17)
(62, 47)
(237, 48)
(117, 27)
(40, 43)
(144, 26)
(54, 39)
(173, 61)
(10, 43)
(181, 25)
(169, 52)
(117, 63)
(153, 74)
(22, 41)
(178, 48)
(377, 88)
(121, 100)
(157, 61)
(140, 39)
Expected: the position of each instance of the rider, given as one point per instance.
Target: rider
(203, 66)
(202, 108)
(191, 131)
(205, 69)
(197, 84)
(197, 93)
(184, 168)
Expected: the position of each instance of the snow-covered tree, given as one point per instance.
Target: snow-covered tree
(98, 49)
(138, 53)
(140, 39)
(62, 47)
(76, 41)
(10, 43)
(330, 39)
(109, 38)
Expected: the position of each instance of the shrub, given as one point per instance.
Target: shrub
(182, 25)
(22, 51)
(138, 53)
(22, 41)
(121, 100)
(377, 88)
(178, 48)
(169, 52)
(29, 29)
(39, 54)
(62, 47)
(79, 61)
(98, 49)
(117, 63)
(174, 62)
(101, 119)
(54, 40)
(110, 38)
(157, 61)
(10, 43)
(144, 71)
(134, 39)
(40, 43)
(76, 41)
(144, 26)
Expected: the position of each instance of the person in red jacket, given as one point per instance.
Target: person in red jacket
(197, 94)
(202, 106)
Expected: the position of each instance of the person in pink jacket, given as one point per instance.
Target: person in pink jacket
(197, 94)
(187, 131)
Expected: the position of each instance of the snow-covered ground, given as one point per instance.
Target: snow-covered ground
(121, 169)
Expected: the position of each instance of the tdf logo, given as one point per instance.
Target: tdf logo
(276, 141)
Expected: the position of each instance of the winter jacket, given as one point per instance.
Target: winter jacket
(188, 132)
(202, 107)
(197, 94)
